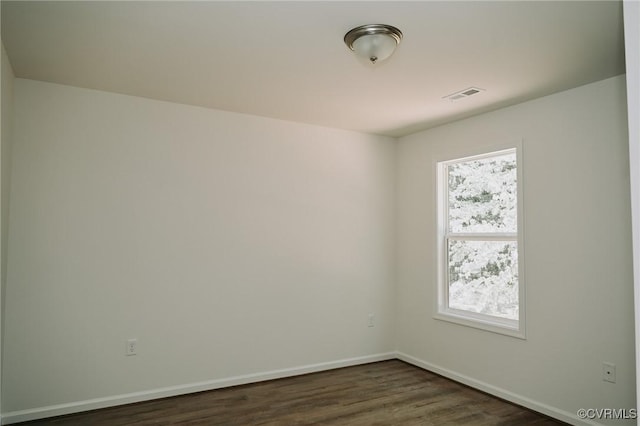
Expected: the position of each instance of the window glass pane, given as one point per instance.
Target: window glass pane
(483, 277)
(483, 195)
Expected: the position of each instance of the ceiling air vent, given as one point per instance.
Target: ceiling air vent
(470, 91)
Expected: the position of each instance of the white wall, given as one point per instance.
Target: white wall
(578, 261)
(6, 107)
(632, 59)
(234, 246)
(229, 245)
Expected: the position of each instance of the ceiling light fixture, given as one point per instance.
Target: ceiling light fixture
(374, 42)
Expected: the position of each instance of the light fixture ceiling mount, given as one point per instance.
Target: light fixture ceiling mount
(375, 42)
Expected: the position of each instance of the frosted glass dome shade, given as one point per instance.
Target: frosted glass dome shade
(373, 42)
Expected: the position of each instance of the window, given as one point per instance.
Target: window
(479, 234)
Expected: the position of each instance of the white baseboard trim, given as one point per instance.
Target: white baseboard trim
(565, 416)
(111, 401)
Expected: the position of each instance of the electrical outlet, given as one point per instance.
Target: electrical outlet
(132, 347)
(370, 321)
(609, 372)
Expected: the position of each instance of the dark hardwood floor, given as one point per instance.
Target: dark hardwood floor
(381, 393)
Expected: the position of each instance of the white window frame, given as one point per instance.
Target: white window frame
(515, 328)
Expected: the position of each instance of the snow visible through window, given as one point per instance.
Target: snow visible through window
(481, 247)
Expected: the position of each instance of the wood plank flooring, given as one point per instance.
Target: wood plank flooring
(382, 393)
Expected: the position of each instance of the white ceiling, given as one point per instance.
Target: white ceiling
(287, 60)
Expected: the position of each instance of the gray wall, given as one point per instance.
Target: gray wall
(5, 178)
(577, 251)
(228, 245)
(237, 248)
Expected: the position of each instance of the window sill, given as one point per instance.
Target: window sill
(482, 324)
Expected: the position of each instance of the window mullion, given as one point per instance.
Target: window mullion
(478, 236)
